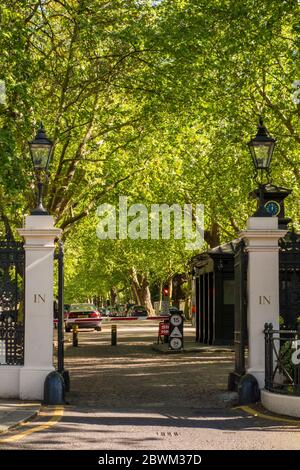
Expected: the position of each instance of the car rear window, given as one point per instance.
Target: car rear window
(82, 308)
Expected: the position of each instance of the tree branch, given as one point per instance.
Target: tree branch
(97, 198)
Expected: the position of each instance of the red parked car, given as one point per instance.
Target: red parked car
(84, 316)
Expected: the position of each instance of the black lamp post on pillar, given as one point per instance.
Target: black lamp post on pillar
(40, 150)
(57, 382)
(261, 148)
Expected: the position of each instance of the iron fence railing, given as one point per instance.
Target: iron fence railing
(282, 360)
(11, 343)
(12, 319)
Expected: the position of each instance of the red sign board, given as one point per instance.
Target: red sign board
(164, 329)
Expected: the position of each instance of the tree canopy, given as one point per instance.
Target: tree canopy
(154, 100)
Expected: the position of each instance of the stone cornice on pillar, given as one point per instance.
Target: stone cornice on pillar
(39, 231)
(262, 240)
(263, 233)
(39, 238)
(261, 248)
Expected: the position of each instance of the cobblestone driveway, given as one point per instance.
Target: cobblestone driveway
(131, 374)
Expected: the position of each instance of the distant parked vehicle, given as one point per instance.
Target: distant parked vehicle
(137, 311)
(84, 316)
(113, 312)
(108, 312)
(128, 307)
(104, 311)
(121, 310)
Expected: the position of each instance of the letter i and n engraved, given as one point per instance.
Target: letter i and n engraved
(39, 298)
(264, 300)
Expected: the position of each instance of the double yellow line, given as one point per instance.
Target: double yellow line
(56, 415)
(258, 414)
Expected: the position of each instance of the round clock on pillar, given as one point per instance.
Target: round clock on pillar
(273, 202)
(273, 208)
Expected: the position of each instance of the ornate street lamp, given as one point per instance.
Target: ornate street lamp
(40, 151)
(261, 148)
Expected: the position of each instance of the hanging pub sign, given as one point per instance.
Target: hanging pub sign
(176, 331)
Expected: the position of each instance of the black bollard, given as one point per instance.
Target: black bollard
(54, 389)
(75, 335)
(248, 390)
(114, 335)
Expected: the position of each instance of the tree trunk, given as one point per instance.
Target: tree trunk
(212, 236)
(113, 296)
(170, 285)
(135, 292)
(146, 300)
(140, 288)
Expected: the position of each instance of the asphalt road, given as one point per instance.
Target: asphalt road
(129, 397)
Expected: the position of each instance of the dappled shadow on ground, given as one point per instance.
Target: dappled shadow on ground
(226, 420)
(132, 374)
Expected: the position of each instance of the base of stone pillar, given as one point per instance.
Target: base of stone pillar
(10, 381)
(32, 383)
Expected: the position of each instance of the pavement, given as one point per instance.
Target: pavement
(15, 412)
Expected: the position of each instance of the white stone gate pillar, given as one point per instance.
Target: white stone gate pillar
(39, 235)
(261, 238)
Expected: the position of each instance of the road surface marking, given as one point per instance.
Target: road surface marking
(55, 418)
(254, 412)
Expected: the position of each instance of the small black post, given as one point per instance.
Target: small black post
(114, 335)
(75, 335)
(267, 352)
(271, 354)
(269, 363)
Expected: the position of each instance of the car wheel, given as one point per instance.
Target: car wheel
(98, 328)
(68, 329)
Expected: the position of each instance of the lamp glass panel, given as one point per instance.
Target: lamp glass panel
(262, 155)
(40, 155)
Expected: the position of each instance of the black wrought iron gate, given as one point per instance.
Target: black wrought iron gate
(240, 317)
(289, 279)
(12, 302)
(59, 257)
